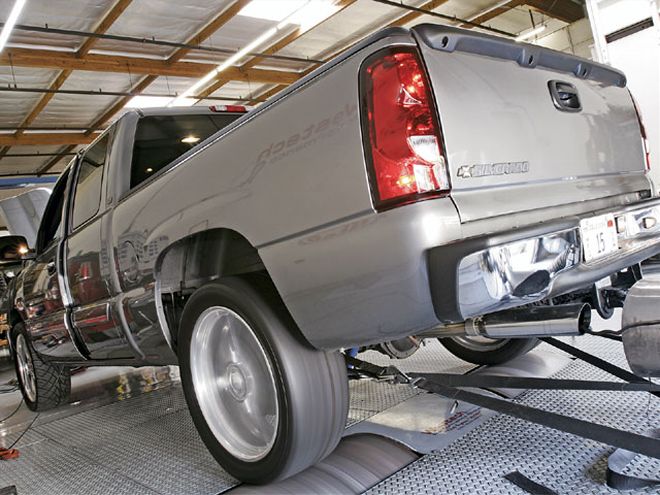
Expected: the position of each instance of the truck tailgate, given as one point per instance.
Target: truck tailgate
(510, 146)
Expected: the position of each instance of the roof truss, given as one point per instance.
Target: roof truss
(147, 70)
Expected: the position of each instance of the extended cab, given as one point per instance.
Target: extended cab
(431, 181)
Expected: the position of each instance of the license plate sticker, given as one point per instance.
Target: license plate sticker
(599, 237)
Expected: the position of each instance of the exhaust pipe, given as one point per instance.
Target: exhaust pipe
(536, 321)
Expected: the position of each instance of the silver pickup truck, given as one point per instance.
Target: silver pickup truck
(430, 182)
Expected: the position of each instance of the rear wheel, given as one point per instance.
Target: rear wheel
(266, 404)
(484, 350)
(44, 385)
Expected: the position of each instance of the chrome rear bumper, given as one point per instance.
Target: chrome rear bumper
(500, 271)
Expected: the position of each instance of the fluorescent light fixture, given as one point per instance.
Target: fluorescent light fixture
(531, 33)
(253, 45)
(185, 97)
(271, 10)
(313, 13)
(181, 102)
(11, 22)
(498, 5)
(190, 140)
(304, 13)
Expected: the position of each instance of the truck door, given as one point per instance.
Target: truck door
(88, 262)
(42, 297)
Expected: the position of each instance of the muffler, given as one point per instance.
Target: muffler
(535, 321)
(640, 324)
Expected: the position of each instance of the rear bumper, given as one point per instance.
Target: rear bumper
(494, 272)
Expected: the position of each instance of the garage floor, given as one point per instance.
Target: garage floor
(135, 436)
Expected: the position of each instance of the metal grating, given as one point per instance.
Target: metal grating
(431, 356)
(369, 397)
(147, 444)
(565, 463)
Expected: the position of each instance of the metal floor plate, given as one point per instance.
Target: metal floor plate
(146, 443)
(477, 462)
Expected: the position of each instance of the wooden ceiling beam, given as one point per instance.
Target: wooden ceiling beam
(491, 14)
(53, 161)
(220, 20)
(121, 102)
(399, 21)
(223, 77)
(207, 31)
(108, 20)
(411, 16)
(46, 139)
(113, 14)
(564, 10)
(49, 59)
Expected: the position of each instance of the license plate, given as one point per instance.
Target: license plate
(599, 237)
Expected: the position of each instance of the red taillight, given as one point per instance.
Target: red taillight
(642, 131)
(229, 108)
(402, 134)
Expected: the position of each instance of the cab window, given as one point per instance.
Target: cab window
(87, 198)
(49, 228)
(161, 139)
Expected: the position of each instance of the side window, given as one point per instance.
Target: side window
(161, 139)
(88, 184)
(49, 228)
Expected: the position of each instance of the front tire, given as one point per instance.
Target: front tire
(266, 404)
(44, 385)
(487, 351)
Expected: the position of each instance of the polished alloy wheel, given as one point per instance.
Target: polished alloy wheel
(480, 344)
(26, 368)
(234, 384)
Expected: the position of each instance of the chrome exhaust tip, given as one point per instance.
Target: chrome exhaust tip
(537, 321)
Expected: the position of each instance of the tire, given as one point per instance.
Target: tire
(483, 350)
(44, 385)
(266, 404)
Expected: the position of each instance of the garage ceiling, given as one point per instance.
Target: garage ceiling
(72, 66)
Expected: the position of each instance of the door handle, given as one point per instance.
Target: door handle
(51, 268)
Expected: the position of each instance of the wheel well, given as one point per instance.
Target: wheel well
(196, 260)
(13, 317)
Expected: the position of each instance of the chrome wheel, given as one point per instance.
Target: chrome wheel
(480, 344)
(26, 368)
(234, 384)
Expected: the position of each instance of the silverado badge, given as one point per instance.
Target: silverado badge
(484, 169)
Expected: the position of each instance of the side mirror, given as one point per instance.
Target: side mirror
(14, 249)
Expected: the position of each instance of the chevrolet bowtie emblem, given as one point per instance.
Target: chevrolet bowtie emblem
(464, 171)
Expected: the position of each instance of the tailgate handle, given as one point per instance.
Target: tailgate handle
(564, 96)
